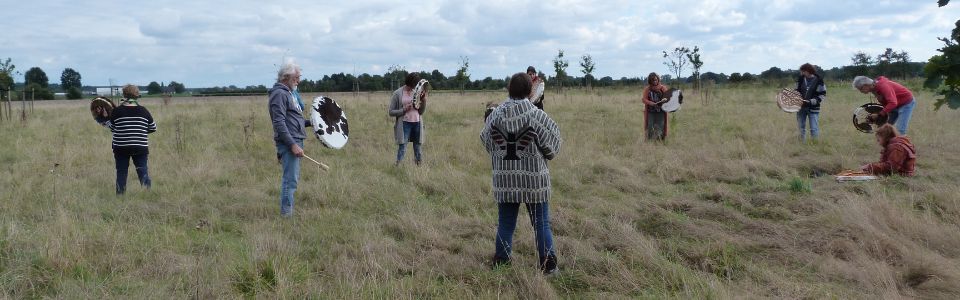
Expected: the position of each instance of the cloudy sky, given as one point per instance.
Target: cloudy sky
(217, 43)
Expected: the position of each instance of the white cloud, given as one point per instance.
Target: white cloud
(205, 43)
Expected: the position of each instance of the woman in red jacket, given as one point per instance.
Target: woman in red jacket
(898, 156)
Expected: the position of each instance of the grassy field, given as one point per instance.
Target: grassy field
(733, 206)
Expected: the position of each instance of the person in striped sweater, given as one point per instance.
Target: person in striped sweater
(520, 139)
(130, 123)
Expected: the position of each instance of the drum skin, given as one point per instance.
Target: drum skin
(329, 122)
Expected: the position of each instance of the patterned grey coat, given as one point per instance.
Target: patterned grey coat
(520, 139)
(396, 110)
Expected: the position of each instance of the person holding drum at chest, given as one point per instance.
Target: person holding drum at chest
(286, 114)
(811, 88)
(897, 100)
(538, 101)
(655, 118)
(520, 139)
(408, 127)
(130, 123)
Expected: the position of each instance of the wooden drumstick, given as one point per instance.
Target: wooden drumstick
(323, 166)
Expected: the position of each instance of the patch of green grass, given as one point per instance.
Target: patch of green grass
(799, 186)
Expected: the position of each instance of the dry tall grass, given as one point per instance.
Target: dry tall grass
(731, 206)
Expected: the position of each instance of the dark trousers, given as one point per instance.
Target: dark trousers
(507, 223)
(123, 163)
(655, 125)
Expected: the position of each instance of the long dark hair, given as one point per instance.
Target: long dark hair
(651, 76)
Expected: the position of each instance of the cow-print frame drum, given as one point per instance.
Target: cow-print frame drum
(861, 120)
(674, 98)
(101, 108)
(329, 122)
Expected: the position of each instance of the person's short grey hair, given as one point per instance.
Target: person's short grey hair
(861, 81)
(287, 70)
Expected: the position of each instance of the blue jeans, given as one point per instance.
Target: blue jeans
(507, 223)
(814, 117)
(123, 163)
(901, 116)
(411, 133)
(289, 177)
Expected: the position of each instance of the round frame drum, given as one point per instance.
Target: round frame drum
(99, 105)
(674, 99)
(789, 100)
(329, 122)
(861, 113)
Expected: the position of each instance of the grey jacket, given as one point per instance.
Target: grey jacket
(396, 110)
(286, 116)
(520, 139)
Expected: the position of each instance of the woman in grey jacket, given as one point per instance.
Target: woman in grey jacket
(520, 139)
(408, 127)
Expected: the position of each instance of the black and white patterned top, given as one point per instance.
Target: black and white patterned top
(520, 139)
(130, 126)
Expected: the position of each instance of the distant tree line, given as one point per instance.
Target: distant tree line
(888, 63)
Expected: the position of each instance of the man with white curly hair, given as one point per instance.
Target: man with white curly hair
(286, 114)
(897, 100)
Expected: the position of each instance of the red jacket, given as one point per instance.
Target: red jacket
(646, 93)
(900, 156)
(891, 94)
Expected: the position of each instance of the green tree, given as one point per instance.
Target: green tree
(462, 76)
(395, 72)
(560, 66)
(36, 75)
(6, 75)
(586, 67)
(901, 63)
(74, 93)
(735, 78)
(6, 82)
(694, 58)
(861, 63)
(154, 88)
(70, 78)
(677, 60)
(177, 87)
(943, 70)
(36, 91)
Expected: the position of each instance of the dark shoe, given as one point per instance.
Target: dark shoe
(549, 265)
(418, 162)
(499, 262)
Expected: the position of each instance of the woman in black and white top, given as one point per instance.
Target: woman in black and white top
(130, 123)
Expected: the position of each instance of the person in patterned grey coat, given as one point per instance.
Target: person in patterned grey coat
(520, 139)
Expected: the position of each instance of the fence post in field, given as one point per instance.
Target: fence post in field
(23, 104)
(33, 97)
(9, 105)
